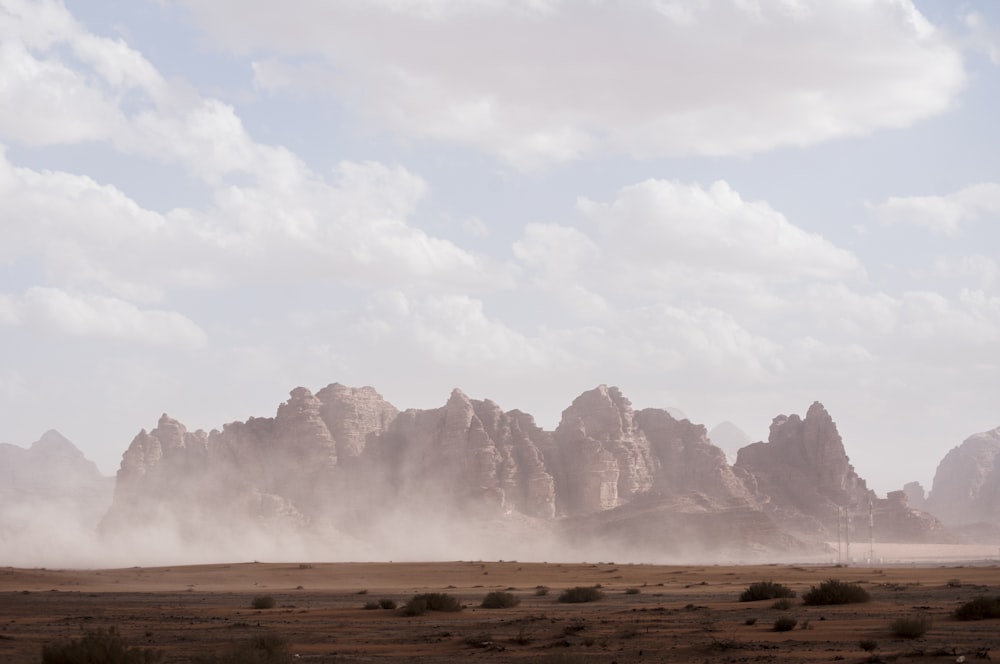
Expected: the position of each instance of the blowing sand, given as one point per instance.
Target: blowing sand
(671, 613)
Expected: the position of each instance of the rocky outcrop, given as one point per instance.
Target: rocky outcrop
(966, 485)
(604, 455)
(600, 457)
(51, 474)
(803, 469)
(468, 454)
(344, 460)
(915, 494)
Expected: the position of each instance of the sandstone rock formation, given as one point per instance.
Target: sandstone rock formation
(804, 478)
(346, 461)
(804, 467)
(966, 485)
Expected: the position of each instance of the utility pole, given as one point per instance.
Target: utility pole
(871, 533)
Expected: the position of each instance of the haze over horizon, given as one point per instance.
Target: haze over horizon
(733, 209)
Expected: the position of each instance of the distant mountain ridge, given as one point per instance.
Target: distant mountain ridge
(345, 461)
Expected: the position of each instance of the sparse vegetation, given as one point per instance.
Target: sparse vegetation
(833, 591)
(97, 647)
(979, 608)
(370, 606)
(910, 627)
(263, 648)
(765, 590)
(750, 621)
(386, 603)
(420, 604)
(782, 604)
(581, 594)
(632, 591)
(262, 602)
(785, 624)
(500, 600)
(867, 645)
(541, 591)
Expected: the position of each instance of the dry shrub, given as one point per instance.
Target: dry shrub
(980, 608)
(420, 604)
(98, 646)
(580, 594)
(785, 624)
(262, 602)
(910, 627)
(765, 590)
(500, 600)
(833, 591)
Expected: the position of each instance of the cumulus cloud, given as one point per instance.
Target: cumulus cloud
(659, 222)
(661, 238)
(942, 214)
(648, 78)
(51, 310)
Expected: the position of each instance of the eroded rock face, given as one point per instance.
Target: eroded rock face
(467, 453)
(803, 468)
(601, 458)
(344, 458)
(966, 485)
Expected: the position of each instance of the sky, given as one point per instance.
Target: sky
(732, 208)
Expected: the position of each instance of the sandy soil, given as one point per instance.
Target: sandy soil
(679, 614)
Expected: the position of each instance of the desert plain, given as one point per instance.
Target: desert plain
(649, 613)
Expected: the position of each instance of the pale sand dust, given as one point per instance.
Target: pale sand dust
(680, 614)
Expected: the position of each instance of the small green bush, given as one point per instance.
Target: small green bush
(765, 590)
(500, 600)
(580, 594)
(785, 624)
(262, 602)
(979, 608)
(833, 591)
(97, 647)
(420, 604)
(910, 627)
(782, 604)
(386, 603)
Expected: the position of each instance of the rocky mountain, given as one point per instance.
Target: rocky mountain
(345, 462)
(730, 438)
(804, 478)
(966, 486)
(53, 470)
(51, 497)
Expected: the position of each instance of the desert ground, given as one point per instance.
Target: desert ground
(649, 613)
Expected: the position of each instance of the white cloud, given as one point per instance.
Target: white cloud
(984, 36)
(942, 214)
(648, 78)
(50, 310)
(352, 228)
(665, 228)
(984, 270)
